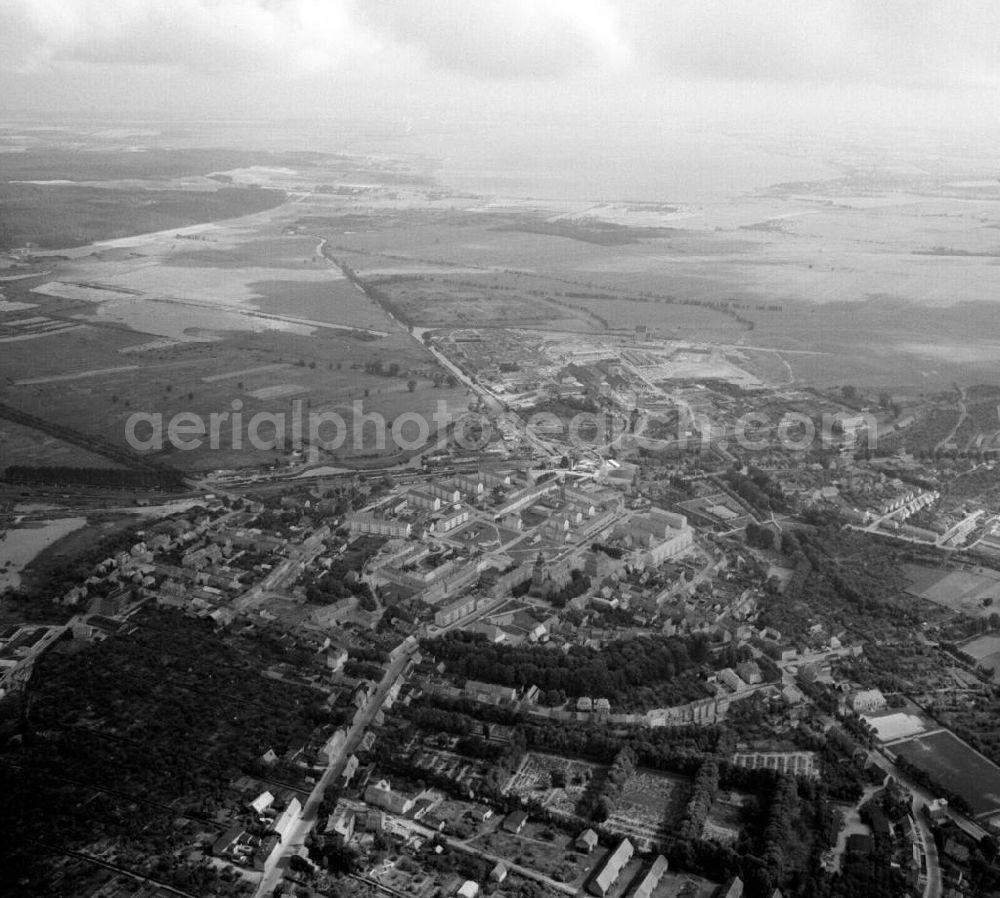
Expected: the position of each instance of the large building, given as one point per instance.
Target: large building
(663, 535)
(749, 671)
(548, 577)
(372, 525)
(424, 500)
(463, 607)
(611, 869)
(489, 692)
(732, 679)
(380, 795)
(450, 519)
(867, 701)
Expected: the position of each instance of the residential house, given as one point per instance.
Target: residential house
(515, 821)
(586, 841)
(380, 795)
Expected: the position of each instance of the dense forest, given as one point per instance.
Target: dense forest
(133, 741)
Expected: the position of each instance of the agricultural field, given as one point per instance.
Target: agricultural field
(967, 592)
(956, 767)
(986, 650)
(21, 442)
(165, 321)
(801, 268)
(259, 319)
(66, 215)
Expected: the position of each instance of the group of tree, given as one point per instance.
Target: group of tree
(922, 778)
(163, 745)
(165, 480)
(334, 586)
(760, 536)
(619, 671)
(757, 489)
(703, 792)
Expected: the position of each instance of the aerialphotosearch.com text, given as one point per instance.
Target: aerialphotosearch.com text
(315, 432)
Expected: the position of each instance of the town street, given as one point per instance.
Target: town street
(300, 828)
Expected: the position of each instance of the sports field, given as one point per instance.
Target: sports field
(957, 767)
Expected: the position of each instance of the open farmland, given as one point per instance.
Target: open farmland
(831, 275)
(264, 374)
(986, 651)
(62, 215)
(783, 279)
(194, 320)
(18, 441)
(960, 591)
(957, 767)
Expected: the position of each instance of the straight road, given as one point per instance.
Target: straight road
(299, 830)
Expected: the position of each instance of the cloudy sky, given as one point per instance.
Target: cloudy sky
(933, 62)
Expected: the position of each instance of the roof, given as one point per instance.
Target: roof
(515, 820)
(859, 843)
(733, 888)
(956, 851)
(649, 882)
(612, 867)
(227, 839)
